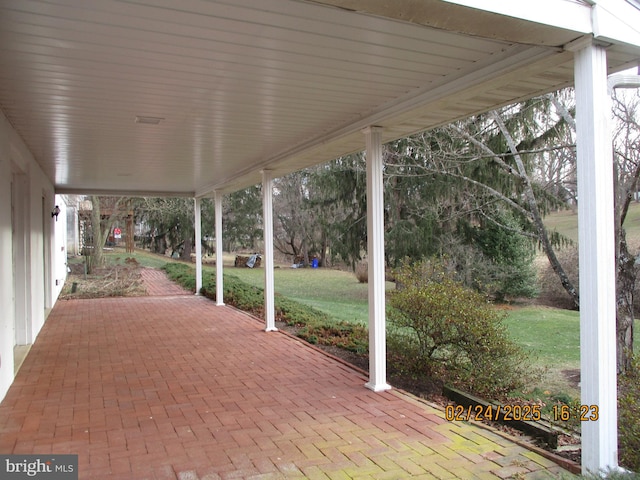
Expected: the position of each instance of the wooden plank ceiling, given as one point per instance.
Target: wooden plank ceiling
(238, 86)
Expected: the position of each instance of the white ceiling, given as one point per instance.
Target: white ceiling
(244, 85)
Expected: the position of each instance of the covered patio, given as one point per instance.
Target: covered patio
(173, 386)
(201, 98)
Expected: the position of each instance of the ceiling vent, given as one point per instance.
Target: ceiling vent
(148, 120)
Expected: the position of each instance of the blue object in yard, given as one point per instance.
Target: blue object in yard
(314, 263)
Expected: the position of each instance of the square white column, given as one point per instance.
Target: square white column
(198, 234)
(376, 267)
(597, 259)
(219, 255)
(269, 288)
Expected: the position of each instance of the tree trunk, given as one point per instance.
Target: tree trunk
(624, 308)
(102, 229)
(186, 251)
(97, 257)
(304, 251)
(323, 249)
(159, 244)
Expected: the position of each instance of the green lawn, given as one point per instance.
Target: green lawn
(551, 334)
(143, 258)
(337, 293)
(552, 337)
(566, 222)
(560, 346)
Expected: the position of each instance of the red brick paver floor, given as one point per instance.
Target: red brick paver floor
(158, 284)
(179, 388)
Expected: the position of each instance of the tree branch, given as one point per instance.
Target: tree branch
(535, 211)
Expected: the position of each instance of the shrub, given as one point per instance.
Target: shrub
(629, 418)
(442, 328)
(182, 274)
(362, 272)
(612, 475)
(347, 336)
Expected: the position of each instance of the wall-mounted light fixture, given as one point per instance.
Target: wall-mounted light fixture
(55, 212)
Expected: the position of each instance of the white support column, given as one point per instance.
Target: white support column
(198, 227)
(597, 258)
(269, 284)
(376, 271)
(219, 256)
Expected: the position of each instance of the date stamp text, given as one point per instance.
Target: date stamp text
(507, 413)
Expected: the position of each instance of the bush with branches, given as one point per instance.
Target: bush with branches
(441, 328)
(629, 417)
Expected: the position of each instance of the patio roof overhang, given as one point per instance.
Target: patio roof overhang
(239, 87)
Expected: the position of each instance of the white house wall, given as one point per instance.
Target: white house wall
(6, 272)
(31, 277)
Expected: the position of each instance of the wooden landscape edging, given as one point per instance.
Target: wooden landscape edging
(533, 428)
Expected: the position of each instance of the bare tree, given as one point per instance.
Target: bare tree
(627, 171)
(294, 219)
(105, 212)
(495, 158)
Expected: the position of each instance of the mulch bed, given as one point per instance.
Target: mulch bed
(115, 281)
